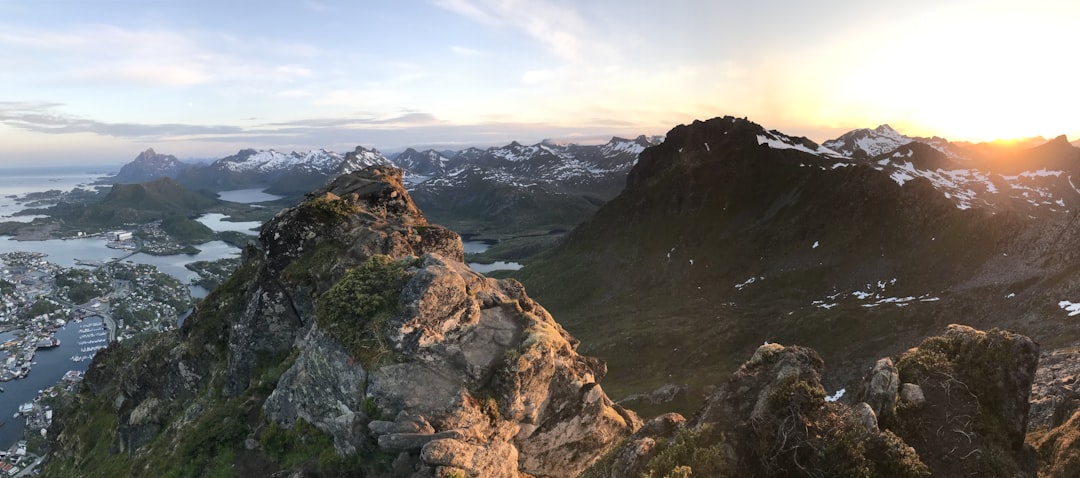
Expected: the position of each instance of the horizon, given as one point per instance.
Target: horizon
(96, 84)
(598, 140)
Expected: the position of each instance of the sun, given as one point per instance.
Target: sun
(965, 75)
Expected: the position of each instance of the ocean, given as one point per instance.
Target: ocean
(52, 364)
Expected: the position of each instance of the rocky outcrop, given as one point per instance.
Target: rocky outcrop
(954, 406)
(1055, 392)
(976, 386)
(484, 381)
(355, 334)
(479, 377)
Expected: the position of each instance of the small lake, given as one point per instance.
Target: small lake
(247, 196)
(494, 266)
(50, 368)
(217, 222)
(475, 247)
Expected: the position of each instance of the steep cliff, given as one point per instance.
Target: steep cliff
(352, 342)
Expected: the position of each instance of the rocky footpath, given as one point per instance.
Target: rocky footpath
(353, 341)
(957, 405)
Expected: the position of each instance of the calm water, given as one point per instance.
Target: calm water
(19, 181)
(51, 365)
(217, 223)
(475, 247)
(495, 266)
(247, 196)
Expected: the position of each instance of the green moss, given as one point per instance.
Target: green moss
(220, 430)
(797, 395)
(356, 308)
(330, 207)
(301, 443)
(370, 408)
(700, 452)
(208, 326)
(94, 425)
(314, 266)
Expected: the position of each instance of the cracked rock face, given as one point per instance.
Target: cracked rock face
(488, 384)
(468, 376)
(352, 219)
(484, 380)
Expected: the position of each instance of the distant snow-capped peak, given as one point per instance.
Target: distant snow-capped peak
(250, 160)
(864, 143)
(361, 158)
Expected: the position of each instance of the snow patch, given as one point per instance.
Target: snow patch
(776, 140)
(748, 282)
(1073, 308)
(836, 396)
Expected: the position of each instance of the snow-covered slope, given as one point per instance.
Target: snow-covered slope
(360, 158)
(560, 166)
(285, 173)
(250, 160)
(1031, 180)
(862, 143)
(777, 140)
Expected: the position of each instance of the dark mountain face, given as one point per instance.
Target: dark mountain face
(728, 235)
(134, 203)
(422, 163)
(150, 165)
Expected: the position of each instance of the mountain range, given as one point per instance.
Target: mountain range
(497, 192)
(354, 340)
(729, 235)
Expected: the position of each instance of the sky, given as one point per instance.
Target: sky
(98, 82)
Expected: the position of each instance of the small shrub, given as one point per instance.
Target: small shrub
(357, 307)
(699, 451)
(370, 408)
(331, 206)
(292, 446)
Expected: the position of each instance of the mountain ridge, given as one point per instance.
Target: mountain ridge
(734, 234)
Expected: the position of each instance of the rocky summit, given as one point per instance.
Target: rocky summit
(352, 341)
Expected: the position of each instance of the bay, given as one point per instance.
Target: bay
(51, 365)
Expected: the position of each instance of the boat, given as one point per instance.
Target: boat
(48, 343)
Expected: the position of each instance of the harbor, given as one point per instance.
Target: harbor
(50, 366)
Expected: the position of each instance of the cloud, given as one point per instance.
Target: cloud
(467, 9)
(40, 117)
(463, 51)
(103, 54)
(560, 29)
(43, 117)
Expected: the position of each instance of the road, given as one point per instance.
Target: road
(26, 470)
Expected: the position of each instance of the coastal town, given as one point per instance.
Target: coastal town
(94, 303)
(24, 457)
